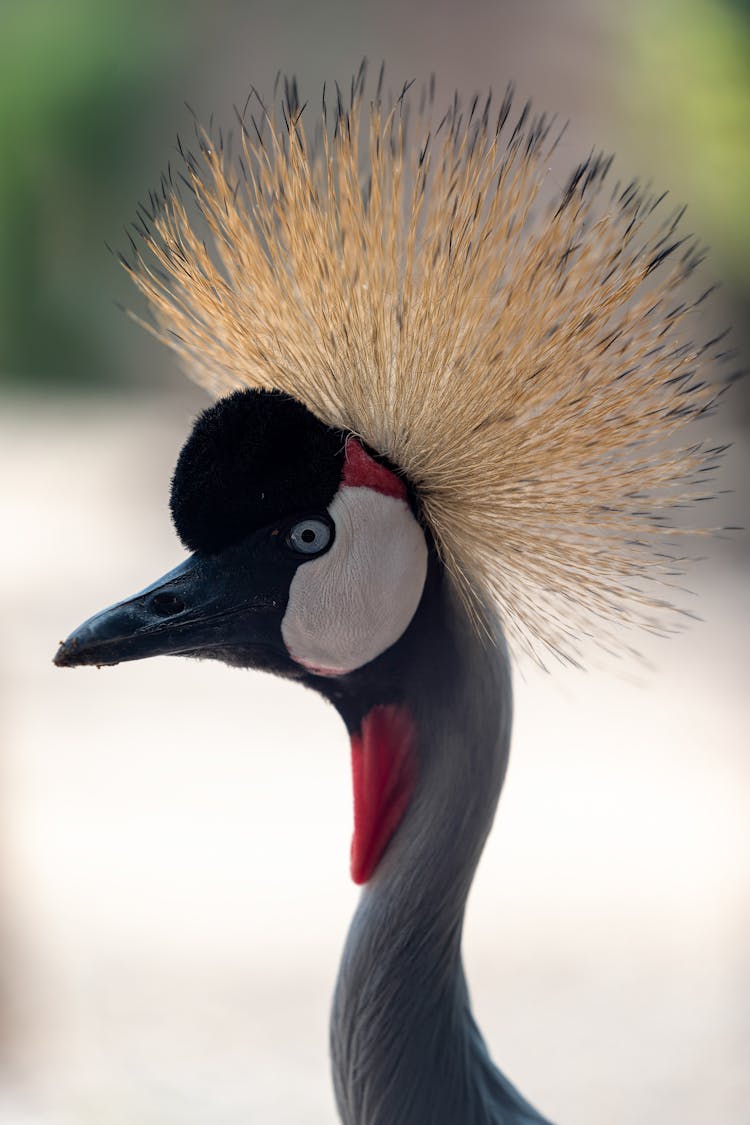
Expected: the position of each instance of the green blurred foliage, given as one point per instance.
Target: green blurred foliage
(91, 92)
(78, 82)
(687, 87)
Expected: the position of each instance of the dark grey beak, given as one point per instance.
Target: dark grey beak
(201, 604)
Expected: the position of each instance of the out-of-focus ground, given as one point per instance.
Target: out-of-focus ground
(175, 840)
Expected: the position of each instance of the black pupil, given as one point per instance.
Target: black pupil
(308, 535)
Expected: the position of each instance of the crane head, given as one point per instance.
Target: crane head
(307, 551)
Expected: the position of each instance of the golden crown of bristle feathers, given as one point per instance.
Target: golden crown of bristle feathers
(529, 373)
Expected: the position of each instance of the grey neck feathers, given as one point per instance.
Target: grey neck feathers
(405, 1048)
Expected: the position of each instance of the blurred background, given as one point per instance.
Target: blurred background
(172, 900)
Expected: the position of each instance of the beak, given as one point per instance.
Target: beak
(201, 604)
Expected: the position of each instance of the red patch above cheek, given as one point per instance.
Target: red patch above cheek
(384, 774)
(361, 471)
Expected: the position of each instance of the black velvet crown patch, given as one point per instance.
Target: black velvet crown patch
(252, 458)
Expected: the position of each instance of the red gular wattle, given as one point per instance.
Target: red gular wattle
(384, 773)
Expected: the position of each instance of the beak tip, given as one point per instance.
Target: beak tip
(71, 654)
(65, 657)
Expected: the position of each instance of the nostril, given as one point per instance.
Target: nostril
(165, 605)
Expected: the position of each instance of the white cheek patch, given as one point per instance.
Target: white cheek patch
(354, 602)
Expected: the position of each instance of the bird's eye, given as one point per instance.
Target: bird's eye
(309, 537)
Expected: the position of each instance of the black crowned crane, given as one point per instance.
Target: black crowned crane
(450, 409)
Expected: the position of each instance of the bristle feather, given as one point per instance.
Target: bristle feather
(527, 372)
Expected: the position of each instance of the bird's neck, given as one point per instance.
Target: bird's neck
(404, 1045)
